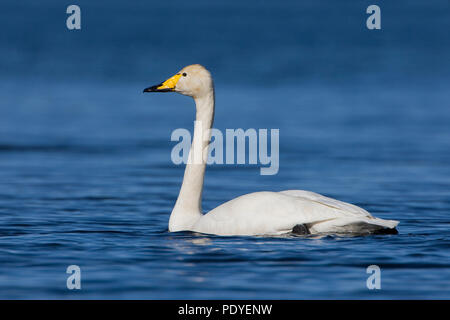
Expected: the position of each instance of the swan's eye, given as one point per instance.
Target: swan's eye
(184, 74)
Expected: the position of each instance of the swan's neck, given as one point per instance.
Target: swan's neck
(188, 208)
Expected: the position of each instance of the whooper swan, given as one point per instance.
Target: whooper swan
(259, 213)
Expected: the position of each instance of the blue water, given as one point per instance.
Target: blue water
(85, 170)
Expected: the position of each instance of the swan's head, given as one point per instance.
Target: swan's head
(194, 81)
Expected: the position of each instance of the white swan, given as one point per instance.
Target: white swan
(259, 213)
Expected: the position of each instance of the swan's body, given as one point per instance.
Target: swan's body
(279, 212)
(259, 213)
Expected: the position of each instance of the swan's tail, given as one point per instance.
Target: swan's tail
(358, 226)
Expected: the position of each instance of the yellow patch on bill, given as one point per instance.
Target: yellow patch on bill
(170, 83)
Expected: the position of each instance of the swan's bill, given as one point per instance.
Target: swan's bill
(166, 86)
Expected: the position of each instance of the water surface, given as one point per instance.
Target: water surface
(85, 170)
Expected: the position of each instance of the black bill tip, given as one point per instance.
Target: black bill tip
(155, 89)
(152, 88)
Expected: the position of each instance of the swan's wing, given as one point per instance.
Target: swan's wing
(359, 220)
(333, 203)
